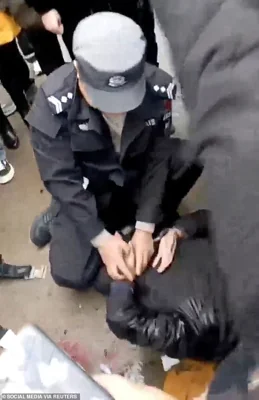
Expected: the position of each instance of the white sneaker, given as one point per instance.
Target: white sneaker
(6, 172)
(8, 108)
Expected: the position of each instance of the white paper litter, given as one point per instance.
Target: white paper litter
(168, 362)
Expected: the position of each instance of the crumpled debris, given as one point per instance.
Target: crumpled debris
(134, 372)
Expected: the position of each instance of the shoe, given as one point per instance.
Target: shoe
(10, 138)
(40, 230)
(6, 172)
(8, 109)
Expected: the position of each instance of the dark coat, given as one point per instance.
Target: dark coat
(215, 46)
(177, 312)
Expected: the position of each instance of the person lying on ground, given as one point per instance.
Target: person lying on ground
(176, 305)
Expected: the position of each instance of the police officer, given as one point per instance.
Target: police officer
(101, 133)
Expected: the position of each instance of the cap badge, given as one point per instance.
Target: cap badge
(117, 81)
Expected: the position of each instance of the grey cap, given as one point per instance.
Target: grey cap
(110, 52)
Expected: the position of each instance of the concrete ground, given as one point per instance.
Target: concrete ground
(62, 313)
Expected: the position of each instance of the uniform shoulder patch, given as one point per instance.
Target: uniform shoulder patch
(161, 83)
(59, 88)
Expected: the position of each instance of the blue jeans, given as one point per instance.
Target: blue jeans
(2, 151)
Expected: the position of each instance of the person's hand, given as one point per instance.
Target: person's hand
(130, 259)
(115, 253)
(166, 250)
(52, 22)
(122, 389)
(143, 246)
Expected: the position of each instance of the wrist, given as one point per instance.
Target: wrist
(101, 239)
(140, 232)
(145, 227)
(180, 233)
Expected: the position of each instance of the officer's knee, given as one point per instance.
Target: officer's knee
(79, 279)
(68, 282)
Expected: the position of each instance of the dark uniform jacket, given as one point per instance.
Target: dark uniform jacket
(71, 142)
(177, 312)
(215, 46)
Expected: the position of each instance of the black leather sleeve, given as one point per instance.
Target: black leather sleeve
(165, 333)
(195, 225)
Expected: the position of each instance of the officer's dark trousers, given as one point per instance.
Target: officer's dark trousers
(74, 262)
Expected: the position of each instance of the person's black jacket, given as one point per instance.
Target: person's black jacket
(177, 312)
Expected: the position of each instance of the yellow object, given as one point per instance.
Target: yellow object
(189, 380)
(9, 29)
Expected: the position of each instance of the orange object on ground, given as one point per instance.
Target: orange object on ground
(189, 380)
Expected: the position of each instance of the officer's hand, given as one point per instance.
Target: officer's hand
(116, 256)
(166, 250)
(52, 22)
(143, 246)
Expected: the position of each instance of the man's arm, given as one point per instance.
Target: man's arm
(151, 196)
(63, 179)
(50, 17)
(195, 224)
(154, 180)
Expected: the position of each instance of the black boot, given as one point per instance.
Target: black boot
(40, 233)
(10, 138)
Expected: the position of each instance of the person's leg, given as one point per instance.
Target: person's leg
(6, 169)
(231, 379)
(74, 262)
(7, 133)
(47, 50)
(2, 151)
(14, 75)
